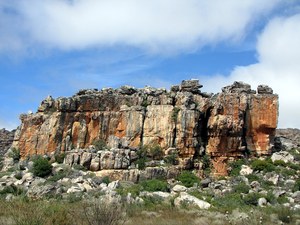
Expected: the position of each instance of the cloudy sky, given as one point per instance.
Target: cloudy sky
(55, 47)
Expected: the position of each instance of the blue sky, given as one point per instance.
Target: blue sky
(55, 47)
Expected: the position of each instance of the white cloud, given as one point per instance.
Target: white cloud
(159, 26)
(278, 50)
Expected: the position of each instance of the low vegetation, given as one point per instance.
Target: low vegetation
(41, 167)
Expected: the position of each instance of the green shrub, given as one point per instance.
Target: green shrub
(154, 185)
(236, 167)
(251, 198)
(57, 176)
(282, 200)
(175, 114)
(14, 153)
(59, 158)
(188, 179)
(252, 177)
(266, 184)
(100, 144)
(41, 167)
(285, 214)
(171, 159)
(145, 103)
(262, 165)
(270, 197)
(18, 175)
(297, 185)
(155, 152)
(241, 188)
(206, 161)
(134, 190)
(11, 190)
(228, 202)
(288, 172)
(79, 167)
(106, 180)
(141, 163)
(293, 166)
(279, 163)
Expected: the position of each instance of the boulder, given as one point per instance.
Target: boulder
(179, 188)
(282, 155)
(246, 170)
(190, 200)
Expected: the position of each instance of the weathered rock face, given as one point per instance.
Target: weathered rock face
(224, 125)
(6, 140)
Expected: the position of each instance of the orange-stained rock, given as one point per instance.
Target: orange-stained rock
(193, 123)
(261, 123)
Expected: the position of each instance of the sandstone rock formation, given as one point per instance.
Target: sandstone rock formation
(224, 126)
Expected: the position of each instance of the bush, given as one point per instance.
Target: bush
(18, 175)
(251, 198)
(106, 180)
(155, 152)
(188, 179)
(236, 167)
(262, 165)
(100, 144)
(154, 185)
(41, 167)
(279, 163)
(11, 190)
(229, 202)
(102, 213)
(134, 190)
(297, 185)
(14, 153)
(175, 114)
(141, 163)
(57, 176)
(293, 166)
(171, 159)
(59, 158)
(285, 214)
(241, 188)
(252, 177)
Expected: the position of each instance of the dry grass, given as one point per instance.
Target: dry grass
(100, 213)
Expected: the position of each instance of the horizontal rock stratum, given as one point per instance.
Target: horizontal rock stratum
(223, 126)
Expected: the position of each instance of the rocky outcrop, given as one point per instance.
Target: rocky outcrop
(286, 139)
(6, 140)
(193, 123)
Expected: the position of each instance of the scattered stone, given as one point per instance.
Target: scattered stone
(246, 170)
(205, 182)
(262, 202)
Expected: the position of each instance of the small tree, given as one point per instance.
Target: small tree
(41, 167)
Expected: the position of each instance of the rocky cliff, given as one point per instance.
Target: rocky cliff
(184, 120)
(6, 140)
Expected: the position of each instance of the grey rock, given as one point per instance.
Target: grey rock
(246, 170)
(85, 159)
(262, 202)
(282, 155)
(191, 200)
(179, 188)
(237, 87)
(39, 191)
(190, 86)
(264, 89)
(204, 183)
